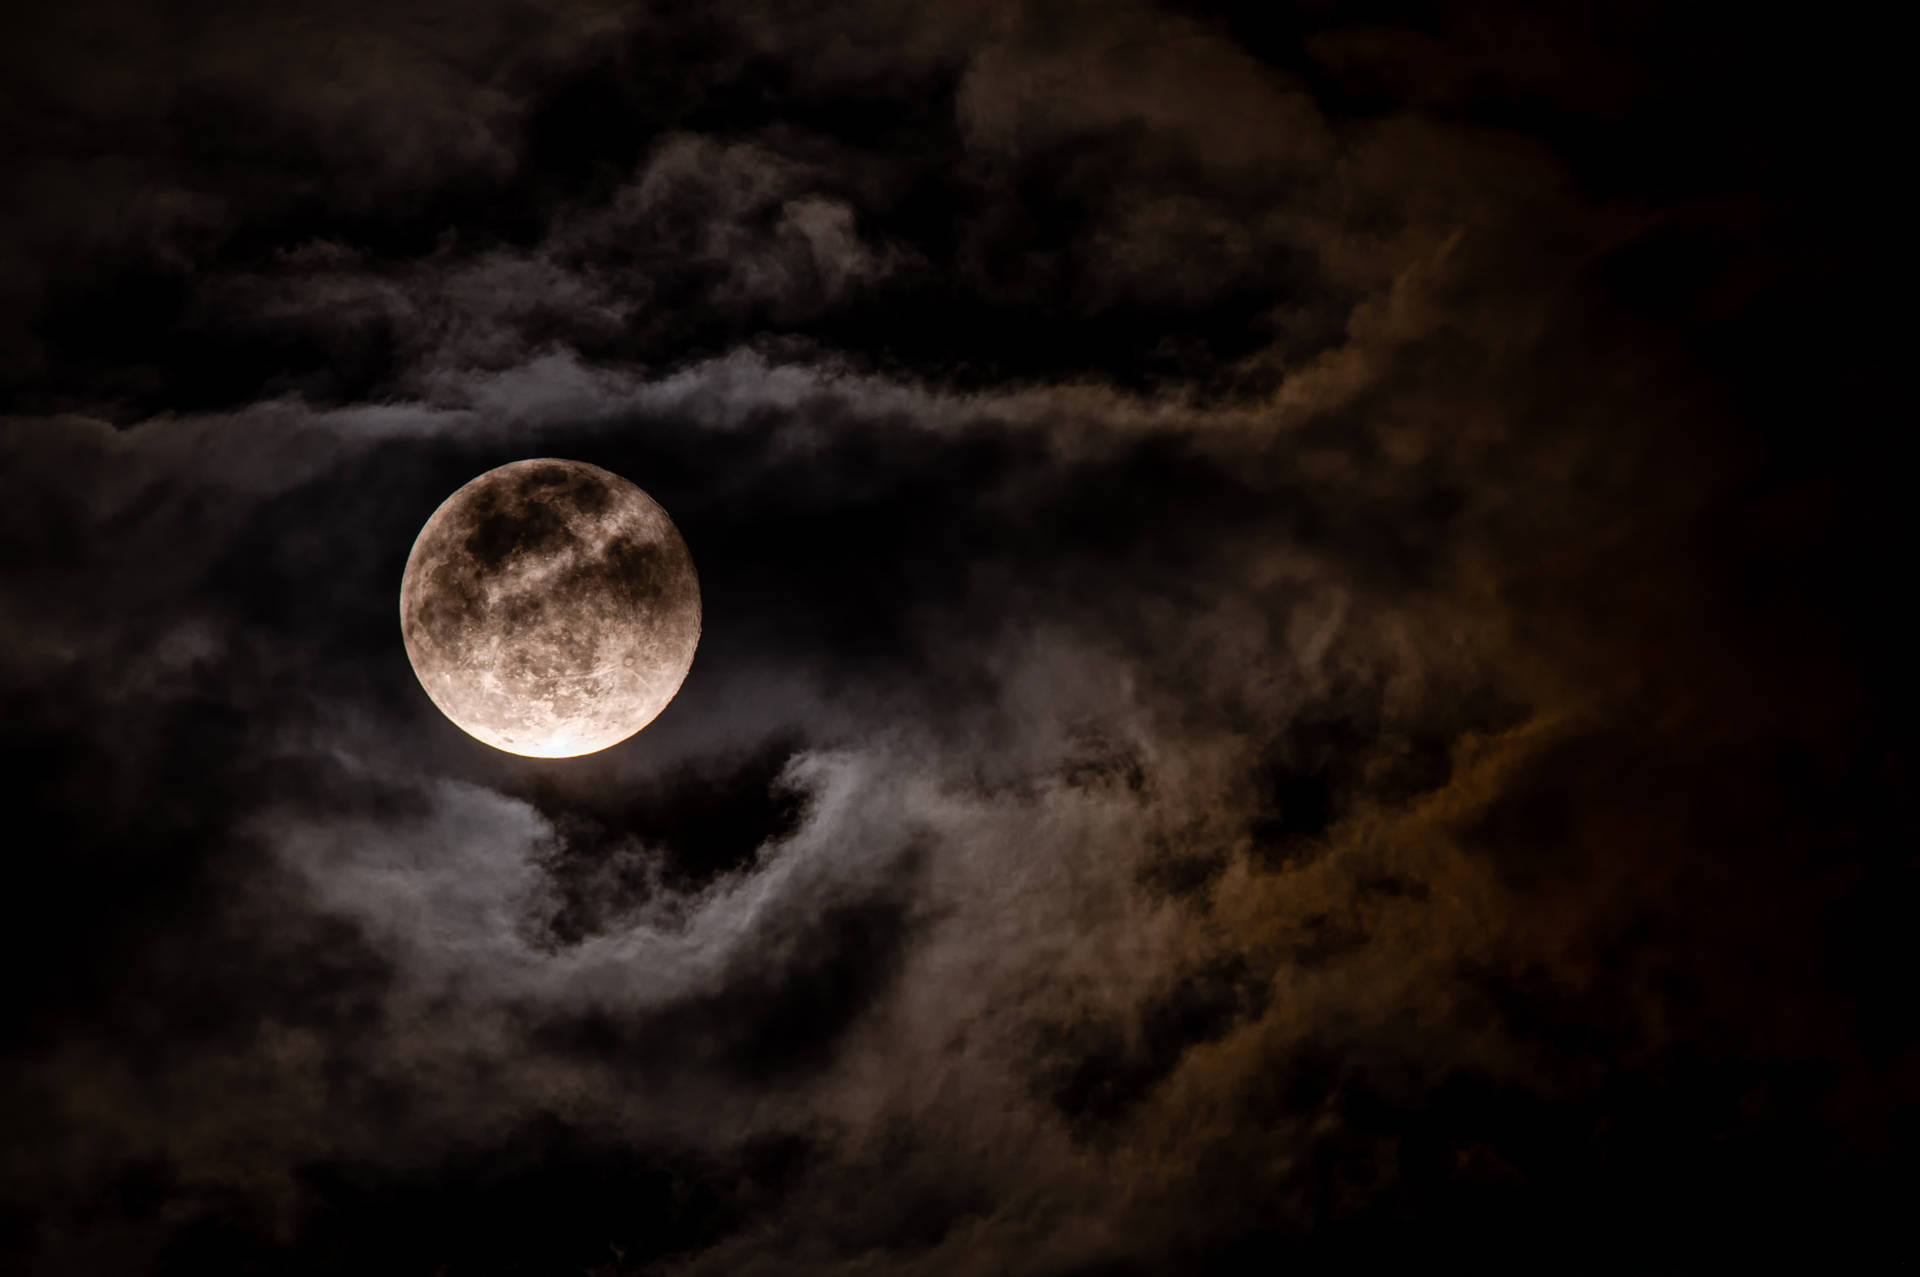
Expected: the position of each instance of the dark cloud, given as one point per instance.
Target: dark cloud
(1298, 669)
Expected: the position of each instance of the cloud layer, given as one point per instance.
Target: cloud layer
(1287, 677)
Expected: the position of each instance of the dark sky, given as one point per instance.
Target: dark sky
(1302, 663)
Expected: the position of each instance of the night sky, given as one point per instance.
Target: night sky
(1303, 664)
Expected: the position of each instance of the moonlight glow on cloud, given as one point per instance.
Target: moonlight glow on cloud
(1112, 638)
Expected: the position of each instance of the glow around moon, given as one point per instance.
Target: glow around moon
(550, 608)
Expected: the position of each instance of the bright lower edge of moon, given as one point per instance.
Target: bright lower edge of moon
(550, 608)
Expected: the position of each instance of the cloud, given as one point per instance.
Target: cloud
(1249, 709)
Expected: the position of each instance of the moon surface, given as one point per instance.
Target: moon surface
(550, 608)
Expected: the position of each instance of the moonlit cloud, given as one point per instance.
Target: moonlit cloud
(1281, 685)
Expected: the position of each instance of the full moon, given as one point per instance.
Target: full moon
(550, 608)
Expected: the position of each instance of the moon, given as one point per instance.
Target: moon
(550, 608)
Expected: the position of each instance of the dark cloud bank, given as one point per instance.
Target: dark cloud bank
(1300, 669)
